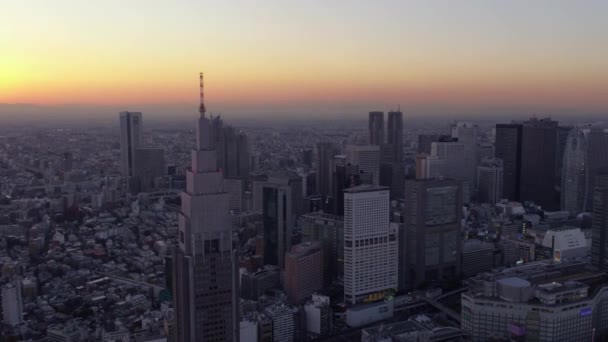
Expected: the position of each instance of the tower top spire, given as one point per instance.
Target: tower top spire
(201, 108)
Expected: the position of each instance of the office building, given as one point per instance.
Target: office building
(307, 157)
(477, 257)
(344, 176)
(489, 181)
(367, 159)
(255, 284)
(12, 303)
(370, 245)
(599, 227)
(303, 271)
(466, 134)
(130, 139)
(376, 128)
(433, 210)
(395, 135)
(329, 231)
(325, 152)
(585, 154)
(278, 219)
(508, 149)
(283, 321)
(206, 268)
(318, 316)
(235, 187)
(539, 301)
(232, 149)
(543, 144)
(148, 166)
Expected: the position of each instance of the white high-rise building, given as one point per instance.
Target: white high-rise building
(12, 304)
(206, 267)
(370, 244)
(130, 140)
(367, 158)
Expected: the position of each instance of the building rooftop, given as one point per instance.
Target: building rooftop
(365, 188)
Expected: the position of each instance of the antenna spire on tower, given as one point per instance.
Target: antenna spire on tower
(201, 108)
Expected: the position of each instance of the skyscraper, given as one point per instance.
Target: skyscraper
(370, 244)
(543, 143)
(433, 209)
(489, 180)
(367, 158)
(130, 140)
(599, 230)
(149, 164)
(278, 219)
(395, 135)
(508, 149)
(574, 174)
(376, 128)
(206, 269)
(325, 151)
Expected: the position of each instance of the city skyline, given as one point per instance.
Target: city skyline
(482, 59)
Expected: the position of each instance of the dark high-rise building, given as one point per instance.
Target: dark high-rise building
(130, 140)
(508, 149)
(344, 177)
(543, 144)
(433, 210)
(232, 149)
(149, 164)
(278, 215)
(325, 153)
(307, 157)
(206, 270)
(395, 135)
(599, 239)
(376, 128)
(597, 150)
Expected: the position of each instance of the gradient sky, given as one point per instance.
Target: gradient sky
(474, 56)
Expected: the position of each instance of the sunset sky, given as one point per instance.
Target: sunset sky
(285, 57)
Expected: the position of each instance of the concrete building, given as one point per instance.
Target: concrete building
(235, 187)
(433, 210)
(318, 316)
(477, 256)
(248, 330)
(329, 231)
(302, 271)
(540, 301)
(12, 303)
(130, 139)
(370, 245)
(206, 268)
(367, 159)
(255, 284)
(283, 322)
(566, 243)
(489, 181)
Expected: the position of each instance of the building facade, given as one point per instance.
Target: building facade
(370, 246)
(206, 268)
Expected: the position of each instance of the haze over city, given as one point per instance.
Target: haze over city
(478, 59)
